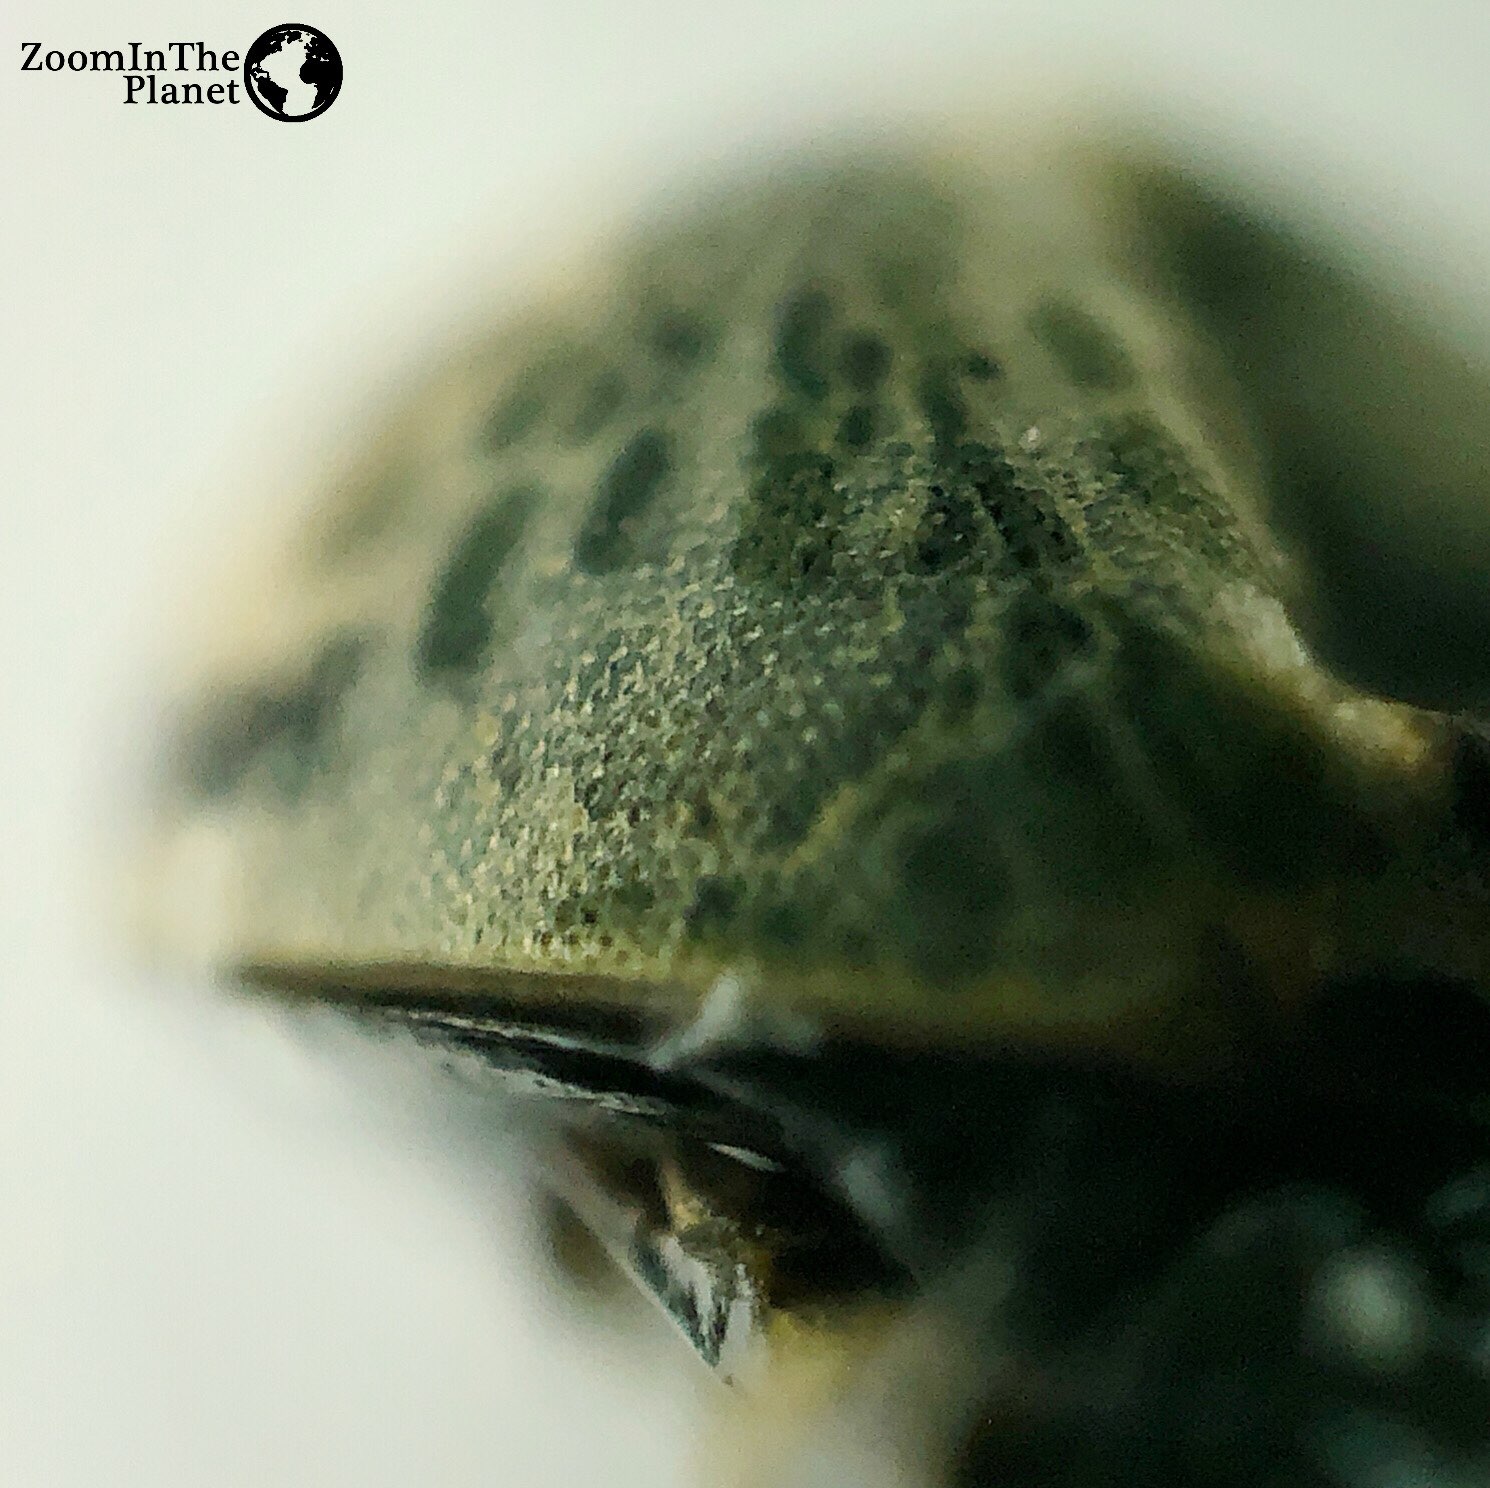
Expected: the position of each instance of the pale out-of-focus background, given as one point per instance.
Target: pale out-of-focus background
(225, 1258)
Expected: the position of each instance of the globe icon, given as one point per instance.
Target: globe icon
(293, 73)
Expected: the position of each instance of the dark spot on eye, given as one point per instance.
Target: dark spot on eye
(854, 945)
(973, 474)
(635, 896)
(458, 623)
(1149, 466)
(791, 526)
(1078, 793)
(1068, 741)
(856, 427)
(801, 357)
(288, 724)
(981, 367)
(865, 361)
(607, 541)
(1086, 351)
(942, 402)
(953, 881)
(948, 532)
(783, 925)
(1470, 774)
(777, 437)
(602, 402)
(1043, 634)
(959, 694)
(715, 902)
(516, 416)
(679, 337)
(1035, 534)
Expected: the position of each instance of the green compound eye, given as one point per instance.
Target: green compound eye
(885, 725)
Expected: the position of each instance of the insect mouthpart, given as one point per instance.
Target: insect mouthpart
(1128, 1271)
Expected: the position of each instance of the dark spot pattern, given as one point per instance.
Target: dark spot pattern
(458, 623)
(948, 533)
(1086, 351)
(704, 817)
(981, 367)
(778, 438)
(1037, 539)
(800, 347)
(1035, 534)
(791, 527)
(1078, 792)
(953, 878)
(602, 401)
(1148, 466)
(515, 417)
(944, 406)
(290, 722)
(783, 925)
(856, 428)
(803, 455)
(679, 337)
(959, 695)
(607, 541)
(1069, 743)
(716, 900)
(865, 361)
(1044, 634)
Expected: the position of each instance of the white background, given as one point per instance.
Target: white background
(223, 1259)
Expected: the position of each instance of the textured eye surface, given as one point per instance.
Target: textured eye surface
(839, 738)
(895, 756)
